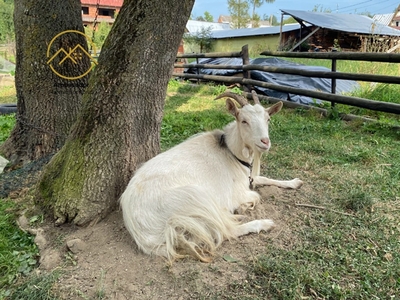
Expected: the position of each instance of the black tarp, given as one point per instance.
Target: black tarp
(296, 81)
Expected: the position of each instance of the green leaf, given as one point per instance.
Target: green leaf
(229, 258)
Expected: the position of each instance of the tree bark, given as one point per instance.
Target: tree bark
(47, 104)
(119, 126)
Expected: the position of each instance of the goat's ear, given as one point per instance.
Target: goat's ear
(274, 108)
(232, 108)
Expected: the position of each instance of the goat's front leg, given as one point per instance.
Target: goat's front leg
(287, 184)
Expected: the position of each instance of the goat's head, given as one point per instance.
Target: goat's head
(251, 120)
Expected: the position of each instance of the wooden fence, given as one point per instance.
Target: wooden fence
(333, 75)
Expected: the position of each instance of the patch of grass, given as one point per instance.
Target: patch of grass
(188, 111)
(7, 123)
(18, 252)
(35, 288)
(8, 94)
(340, 258)
(372, 91)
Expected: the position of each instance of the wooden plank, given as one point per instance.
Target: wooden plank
(301, 72)
(353, 101)
(381, 57)
(210, 55)
(302, 40)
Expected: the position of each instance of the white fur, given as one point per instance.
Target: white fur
(183, 200)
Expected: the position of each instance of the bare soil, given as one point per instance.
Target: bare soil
(103, 262)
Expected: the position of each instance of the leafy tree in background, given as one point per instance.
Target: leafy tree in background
(202, 38)
(273, 20)
(6, 20)
(208, 17)
(320, 8)
(100, 35)
(289, 20)
(255, 18)
(239, 12)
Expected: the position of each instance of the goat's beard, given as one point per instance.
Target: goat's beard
(256, 163)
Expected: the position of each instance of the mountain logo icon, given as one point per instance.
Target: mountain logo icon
(73, 55)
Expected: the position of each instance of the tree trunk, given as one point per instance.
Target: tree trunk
(47, 104)
(119, 126)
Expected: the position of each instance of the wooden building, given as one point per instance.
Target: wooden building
(342, 32)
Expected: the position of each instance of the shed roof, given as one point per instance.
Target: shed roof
(343, 22)
(232, 33)
(385, 19)
(194, 26)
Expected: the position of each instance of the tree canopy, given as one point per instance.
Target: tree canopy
(239, 11)
(202, 38)
(6, 20)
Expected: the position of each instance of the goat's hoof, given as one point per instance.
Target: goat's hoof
(296, 183)
(267, 224)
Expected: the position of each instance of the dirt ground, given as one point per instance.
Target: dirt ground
(103, 262)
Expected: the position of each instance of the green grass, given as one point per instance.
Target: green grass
(354, 170)
(7, 53)
(7, 123)
(188, 111)
(372, 91)
(7, 94)
(18, 253)
(346, 66)
(36, 288)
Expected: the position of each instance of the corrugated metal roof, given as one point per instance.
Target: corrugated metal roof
(384, 19)
(113, 3)
(343, 22)
(231, 33)
(194, 26)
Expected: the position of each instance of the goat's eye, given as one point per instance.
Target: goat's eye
(244, 122)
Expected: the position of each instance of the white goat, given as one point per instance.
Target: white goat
(183, 200)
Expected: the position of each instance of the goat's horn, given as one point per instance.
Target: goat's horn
(239, 99)
(255, 97)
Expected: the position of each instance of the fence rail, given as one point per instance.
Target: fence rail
(333, 75)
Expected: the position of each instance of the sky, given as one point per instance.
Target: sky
(220, 7)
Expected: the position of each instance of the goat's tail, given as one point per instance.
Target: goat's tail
(198, 226)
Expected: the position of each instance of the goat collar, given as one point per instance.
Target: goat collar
(223, 144)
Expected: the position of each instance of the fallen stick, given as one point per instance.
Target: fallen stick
(324, 208)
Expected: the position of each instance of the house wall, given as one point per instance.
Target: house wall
(256, 44)
(89, 13)
(395, 23)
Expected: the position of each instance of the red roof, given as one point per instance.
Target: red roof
(113, 3)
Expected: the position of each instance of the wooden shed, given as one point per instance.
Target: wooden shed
(344, 32)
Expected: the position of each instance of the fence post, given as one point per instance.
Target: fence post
(333, 80)
(197, 70)
(246, 61)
